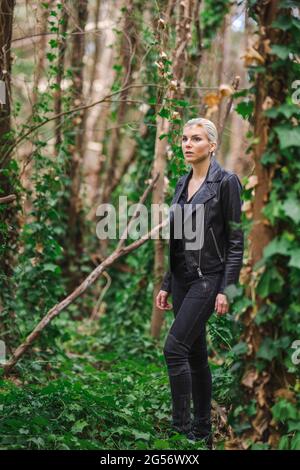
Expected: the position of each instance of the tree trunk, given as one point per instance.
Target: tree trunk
(184, 17)
(7, 214)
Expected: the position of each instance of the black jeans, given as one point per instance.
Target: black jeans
(185, 348)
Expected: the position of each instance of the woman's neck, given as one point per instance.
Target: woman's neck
(200, 169)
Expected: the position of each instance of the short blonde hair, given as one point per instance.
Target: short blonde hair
(208, 125)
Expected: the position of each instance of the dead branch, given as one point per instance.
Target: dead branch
(121, 250)
(7, 199)
(235, 85)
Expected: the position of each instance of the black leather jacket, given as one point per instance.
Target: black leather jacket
(223, 244)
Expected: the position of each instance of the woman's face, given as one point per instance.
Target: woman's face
(195, 144)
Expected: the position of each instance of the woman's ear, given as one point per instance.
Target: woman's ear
(213, 147)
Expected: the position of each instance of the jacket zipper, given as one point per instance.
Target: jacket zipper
(198, 268)
(216, 245)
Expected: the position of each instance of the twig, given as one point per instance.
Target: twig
(235, 85)
(7, 199)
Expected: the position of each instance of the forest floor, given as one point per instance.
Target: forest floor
(92, 393)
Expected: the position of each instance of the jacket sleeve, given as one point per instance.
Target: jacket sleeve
(232, 205)
(166, 283)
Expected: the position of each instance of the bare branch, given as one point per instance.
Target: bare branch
(7, 199)
(121, 250)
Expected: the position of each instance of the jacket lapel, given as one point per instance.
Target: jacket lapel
(206, 191)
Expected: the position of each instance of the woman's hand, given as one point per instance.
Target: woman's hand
(221, 305)
(161, 300)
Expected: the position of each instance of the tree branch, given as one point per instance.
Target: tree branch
(7, 199)
(121, 250)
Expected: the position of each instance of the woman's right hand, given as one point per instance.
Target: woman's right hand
(161, 300)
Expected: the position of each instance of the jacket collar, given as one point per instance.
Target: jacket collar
(206, 192)
(214, 172)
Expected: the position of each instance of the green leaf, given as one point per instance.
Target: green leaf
(295, 259)
(291, 208)
(79, 426)
(284, 22)
(267, 350)
(270, 282)
(281, 51)
(141, 435)
(53, 43)
(284, 443)
(165, 113)
(268, 157)
(245, 109)
(278, 246)
(54, 268)
(286, 109)
(288, 137)
(182, 103)
(260, 446)
(51, 57)
(295, 442)
(240, 348)
(284, 410)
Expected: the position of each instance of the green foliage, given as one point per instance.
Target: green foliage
(95, 394)
(278, 273)
(287, 413)
(211, 17)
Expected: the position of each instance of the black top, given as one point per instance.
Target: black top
(181, 269)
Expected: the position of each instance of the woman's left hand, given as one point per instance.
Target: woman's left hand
(221, 305)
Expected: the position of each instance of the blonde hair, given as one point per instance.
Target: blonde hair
(208, 125)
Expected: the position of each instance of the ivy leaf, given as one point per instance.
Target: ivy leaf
(267, 350)
(278, 246)
(283, 22)
(288, 137)
(51, 57)
(283, 410)
(141, 435)
(54, 268)
(295, 442)
(271, 281)
(281, 51)
(79, 426)
(240, 348)
(286, 109)
(295, 259)
(53, 43)
(165, 113)
(268, 157)
(245, 109)
(292, 209)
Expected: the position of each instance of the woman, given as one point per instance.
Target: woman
(198, 277)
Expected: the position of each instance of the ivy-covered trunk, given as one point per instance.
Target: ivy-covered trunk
(8, 169)
(269, 390)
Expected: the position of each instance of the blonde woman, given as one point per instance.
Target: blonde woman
(198, 274)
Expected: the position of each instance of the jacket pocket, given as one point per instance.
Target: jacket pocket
(216, 245)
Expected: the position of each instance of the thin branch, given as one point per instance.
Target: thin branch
(121, 250)
(7, 199)
(64, 113)
(235, 85)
